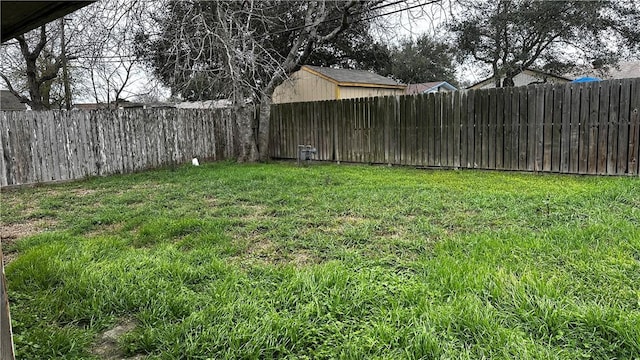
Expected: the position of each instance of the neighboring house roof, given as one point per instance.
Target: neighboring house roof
(349, 77)
(206, 104)
(8, 101)
(428, 87)
(629, 69)
(123, 105)
(624, 70)
(89, 106)
(529, 71)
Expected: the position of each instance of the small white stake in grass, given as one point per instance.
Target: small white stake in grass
(195, 162)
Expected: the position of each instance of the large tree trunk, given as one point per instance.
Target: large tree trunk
(244, 118)
(496, 75)
(35, 101)
(263, 127)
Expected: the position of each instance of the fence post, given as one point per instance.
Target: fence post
(6, 336)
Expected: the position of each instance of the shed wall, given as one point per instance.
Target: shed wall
(303, 86)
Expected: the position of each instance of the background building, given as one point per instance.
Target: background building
(314, 83)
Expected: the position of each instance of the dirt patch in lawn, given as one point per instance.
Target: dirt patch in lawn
(106, 347)
(301, 258)
(264, 251)
(10, 233)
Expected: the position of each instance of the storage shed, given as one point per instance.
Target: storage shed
(9, 102)
(315, 83)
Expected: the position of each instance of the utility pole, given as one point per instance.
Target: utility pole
(65, 71)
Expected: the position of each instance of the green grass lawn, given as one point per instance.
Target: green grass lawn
(349, 262)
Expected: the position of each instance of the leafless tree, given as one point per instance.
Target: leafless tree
(96, 42)
(31, 63)
(110, 64)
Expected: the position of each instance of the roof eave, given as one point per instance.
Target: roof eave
(352, 84)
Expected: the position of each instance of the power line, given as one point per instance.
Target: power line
(137, 57)
(362, 12)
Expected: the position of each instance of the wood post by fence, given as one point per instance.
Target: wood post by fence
(47, 146)
(577, 128)
(6, 336)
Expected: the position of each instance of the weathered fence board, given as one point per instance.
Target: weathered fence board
(45, 146)
(590, 128)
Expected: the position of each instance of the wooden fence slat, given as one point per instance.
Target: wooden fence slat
(594, 109)
(315, 127)
(4, 149)
(583, 147)
(515, 127)
(471, 102)
(464, 127)
(438, 131)
(548, 129)
(634, 129)
(565, 130)
(574, 132)
(39, 149)
(556, 127)
(33, 147)
(404, 130)
(624, 128)
(413, 131)
(603, 129)
(430, 118)
(350, 127)
(507, 128)
(457, 118)
(378, 115)
(77, 118)
(539, 126)
(340, 129)
(448, 96)
(397, 133)
(531, 128)
(366, 128)
(322, 140)
(522, 130)
(484, 132)
(499, 142)
(72, 129)
(492, 128)
(19, 154)
(612, 140)
(386, 101)
(478, 128)
(441, 135)
(6, 333)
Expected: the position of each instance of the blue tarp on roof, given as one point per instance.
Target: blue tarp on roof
(586, 79)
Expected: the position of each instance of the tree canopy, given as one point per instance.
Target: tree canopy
(511, 35)
(262, 34)
(422, 60)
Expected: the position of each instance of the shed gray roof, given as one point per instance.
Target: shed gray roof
(8, 101)
(349, 76)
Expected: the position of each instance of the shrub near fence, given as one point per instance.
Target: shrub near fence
(579, 128)
(45, 146)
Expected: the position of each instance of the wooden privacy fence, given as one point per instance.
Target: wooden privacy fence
(578, 128)
(45, 146)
